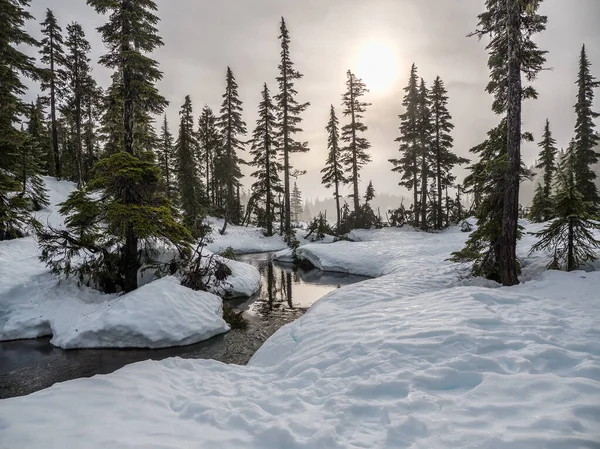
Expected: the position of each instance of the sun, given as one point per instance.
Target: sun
(377, 65)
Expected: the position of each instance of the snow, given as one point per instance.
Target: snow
(410, 359)
(160, 313)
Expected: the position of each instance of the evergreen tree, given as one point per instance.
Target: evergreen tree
(354, 154)
(445, 159)
(296, 203)
(14, 64)
(511, 25)
(370, 193)
(53, 56)
(266, 160)
(78, 77)
(540, 205)
(190, 189)
(541, 209)
(289, 110)
(425, 149)
(92, 105)
(408, 165)
(333, 173)
(232, 127)
(209, 143)
(570, 236)
(111, 128)
(585, 138)
(167, 161)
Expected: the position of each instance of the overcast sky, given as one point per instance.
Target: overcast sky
(329, 37)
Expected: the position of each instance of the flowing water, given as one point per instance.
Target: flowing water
(30, 365)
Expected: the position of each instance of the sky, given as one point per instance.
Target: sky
(377, 39)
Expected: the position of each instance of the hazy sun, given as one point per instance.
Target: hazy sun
(377, 65)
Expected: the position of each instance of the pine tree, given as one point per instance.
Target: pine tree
(444, 159)
(512, 52)
(265, 152)
(289, 110)
(354, 154)
(53, 56)
(585, 138)
(333, 173)
(408, 165)
(232, 127)
(541, 209)
(570, 236)
(370, 193)
(296, 203)
(14, 65)
(209, 143)
(167, 161)
(425, 149)
(77, 75)
(191, 192)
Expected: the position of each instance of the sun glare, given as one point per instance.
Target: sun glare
(377, 65)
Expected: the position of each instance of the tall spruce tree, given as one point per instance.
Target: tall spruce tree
(296, 203)
(209, 142)
(408, 165)
(14, 65)
(111, 128)
(511, 24)
(586, 139)
(289, 110)
(232, 127)
(542, 208)
(191, 191)
(167, 161)
(425, 155)
(53, 56)
(570, 236)
(444, 158)
(334, 171)
(265, 152)
(354, 153)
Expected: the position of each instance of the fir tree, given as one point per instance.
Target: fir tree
(266, 160)
(92, 104)
(445, 159)
(190, 189)
(541, 209)
(289, 110)
(14, 64)
(539, 205)
(408, 165)
(370, 193)
(232, 127)
(53, 56)
(167, 160)
(354, 154)
(296, 203)
(209, 142)
(111, 128)
(425, 148)
(585, 137)
(333, 173)
(570, 236)
(512, 53)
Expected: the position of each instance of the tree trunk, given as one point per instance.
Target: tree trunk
(424, 191)
(508, 258)
(78, 127)
(354, 151)
(570, 248)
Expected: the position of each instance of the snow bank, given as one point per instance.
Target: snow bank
(406, 360)
(244, 279)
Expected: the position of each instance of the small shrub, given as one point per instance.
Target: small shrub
(235, 318)
(228, 253)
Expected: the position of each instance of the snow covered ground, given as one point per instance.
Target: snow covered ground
(414, 358)
(160, 314)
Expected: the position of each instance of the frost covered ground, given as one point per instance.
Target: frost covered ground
(159, 314)
(411, 359)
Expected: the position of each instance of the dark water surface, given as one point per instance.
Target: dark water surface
(30, 365)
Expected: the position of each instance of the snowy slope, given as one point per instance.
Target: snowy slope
(406, 360)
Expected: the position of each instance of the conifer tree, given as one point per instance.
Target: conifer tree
(296, 203)
(92, 105)
(209, 142)
(407, 165)
(586, 139)
(445, 159)
(510, 24)
(570, 236)
(289, 110)
(370, 193)
(265, 152)
(232, 127)
(167, 161)
(425, 149)
(354, 154)
(53, 56)
(191, 192)
(333, 173)
(541, 209)
(14, 65)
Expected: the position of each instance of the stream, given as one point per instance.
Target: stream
(285, 295)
